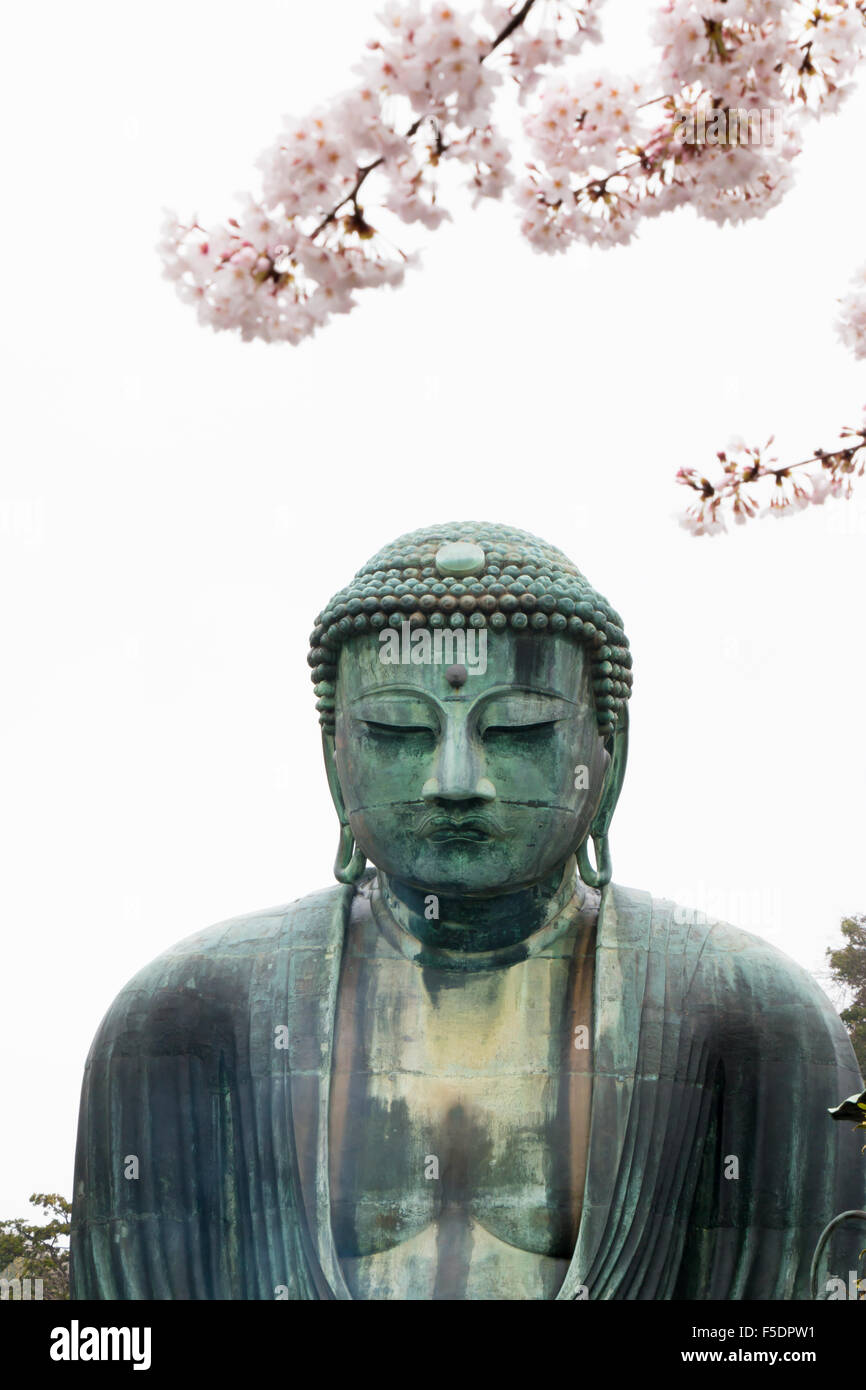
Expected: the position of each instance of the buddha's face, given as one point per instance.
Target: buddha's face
(474, 788)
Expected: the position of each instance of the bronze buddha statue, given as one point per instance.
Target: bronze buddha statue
(476, 1069)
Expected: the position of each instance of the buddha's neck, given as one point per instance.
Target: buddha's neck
(474, 927)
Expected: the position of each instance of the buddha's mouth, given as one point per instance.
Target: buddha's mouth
(465, 832)
(472, 828)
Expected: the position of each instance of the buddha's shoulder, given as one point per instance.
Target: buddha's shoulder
(716, 958)
(211, 976)
(303, 923)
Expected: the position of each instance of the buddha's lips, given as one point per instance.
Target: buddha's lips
(475, 827)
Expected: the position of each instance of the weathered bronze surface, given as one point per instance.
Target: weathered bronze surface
(467, 1071)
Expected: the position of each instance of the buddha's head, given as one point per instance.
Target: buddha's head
(473, 696)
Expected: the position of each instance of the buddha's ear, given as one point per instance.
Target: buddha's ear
(330, 751)
(617, 748)
(614, 777)
(351, 861)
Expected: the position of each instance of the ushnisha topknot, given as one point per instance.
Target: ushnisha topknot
(475, 574)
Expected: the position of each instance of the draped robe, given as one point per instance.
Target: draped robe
(712, 1164)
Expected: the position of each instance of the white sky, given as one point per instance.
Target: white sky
(176, 506)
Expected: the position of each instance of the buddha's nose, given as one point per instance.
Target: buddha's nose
(459, 772)
(483, 790)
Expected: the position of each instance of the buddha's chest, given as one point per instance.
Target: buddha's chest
(459, 1121)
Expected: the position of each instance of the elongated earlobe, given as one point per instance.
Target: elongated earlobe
(600, 875)
(351, 861)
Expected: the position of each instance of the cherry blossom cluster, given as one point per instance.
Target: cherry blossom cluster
(299, 252)
(715, 125)
(731, 498)
(604, 150)
(852, 315)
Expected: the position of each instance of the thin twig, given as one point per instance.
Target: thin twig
(350, 197)
(514, 23)
(363, 173)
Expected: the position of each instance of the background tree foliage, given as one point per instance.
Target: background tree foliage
(39, 1252)
(848, 970)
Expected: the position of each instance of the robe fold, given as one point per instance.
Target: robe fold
(712, 1167)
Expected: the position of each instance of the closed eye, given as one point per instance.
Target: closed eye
(396, 730)
(527, 731)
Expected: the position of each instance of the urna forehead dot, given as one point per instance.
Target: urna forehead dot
(460, 559)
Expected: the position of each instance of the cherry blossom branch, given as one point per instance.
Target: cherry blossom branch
(274, 273)
(726, 498)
